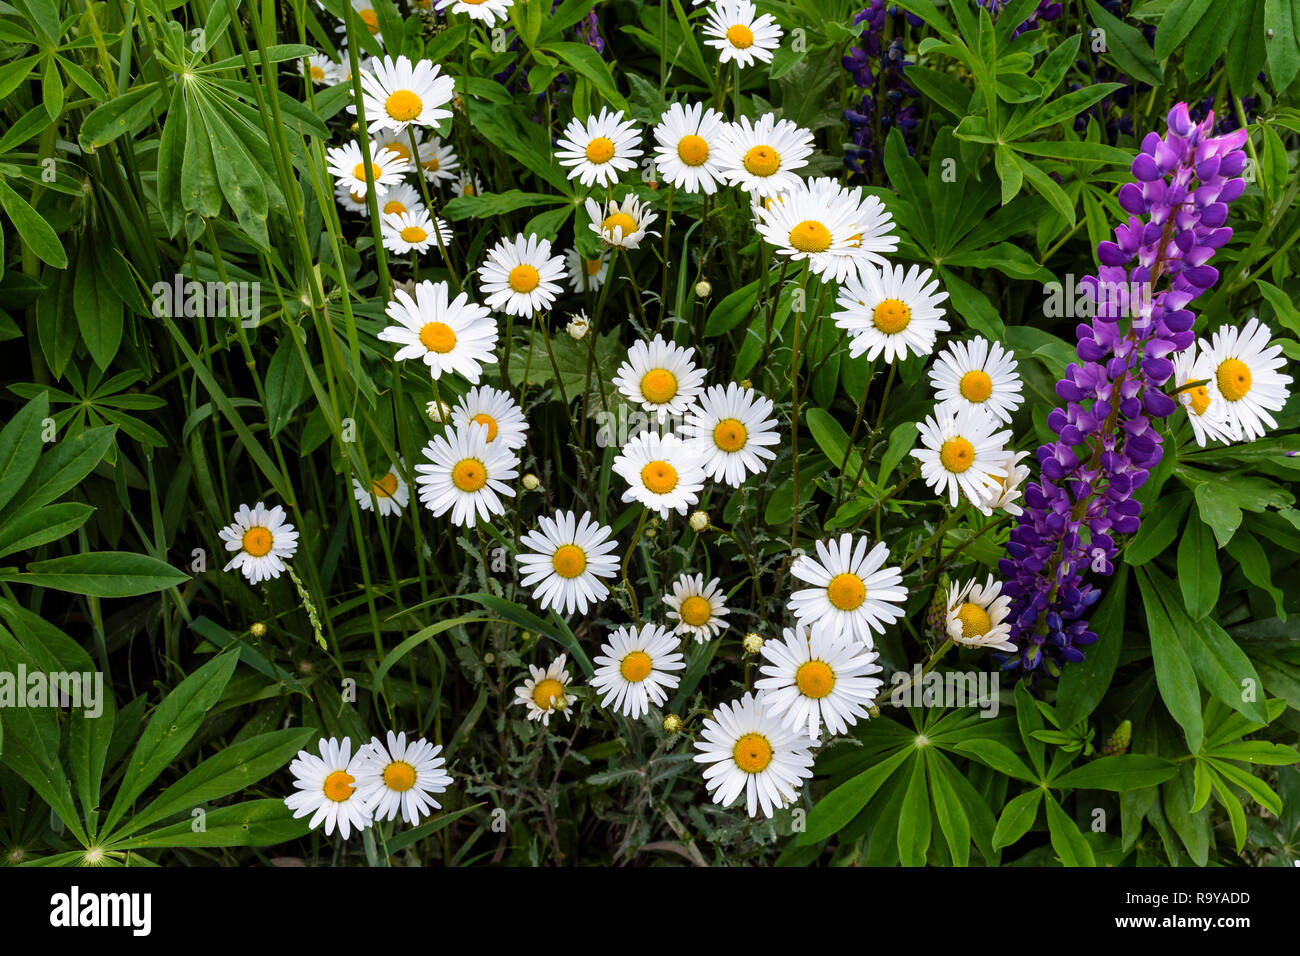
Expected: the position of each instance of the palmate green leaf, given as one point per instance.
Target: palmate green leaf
(20, 445)
(1017, 817)
(1282, 29)
(34, 230)
(1047, 187)
(1158, 530)
(1067, 841)
(1208, 39)
(1118, 773)
(1259, 791)
(60, 469)
(1175, 677)
(1180, 17)
(834, 811)
(108, 574)
(973, 306)
(99, 310)
(1192, 827)
(1126, 46)
(252, 823)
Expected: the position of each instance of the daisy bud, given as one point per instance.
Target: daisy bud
(439, 412)
(672, 724)
(578, 329)
(257, 629)
(753, 643)
(746, 384)
(703, 290)
(699, 521)
(531, 482)
(489, 658)
(873, 711)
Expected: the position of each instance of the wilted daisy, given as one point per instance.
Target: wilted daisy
(413, 231)
(687, 139)
(520, 276)
(1004, 493)
(660, 377)
(546, 692)
(389, 490)
(750, 751)
(438, 161)
(489, 11)
(349, 169)
(263, 539)
(662, 473)
(401, 777)
(731, 428)
(815, 679)
(597, 150)
(852, 591)
(586, 275)
(977, 615)
(632, 669)
(700, 610)
(622, 224)
(763, 157)
(1206, 409)
(807, 225)
(960, 451)
(493, 407)
(873, 226)
(891, 311)
(466, 475)
(449, 336)
(977, 374)
(1246, 373)
(397, 94)
(567, 557)
(321, 70)
(738, 33)
(326, 788)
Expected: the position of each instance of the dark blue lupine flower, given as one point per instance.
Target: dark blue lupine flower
(887, 102)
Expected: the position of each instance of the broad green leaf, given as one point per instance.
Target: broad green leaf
(1067, 841)
(1198, 569)
(109, 574)
(253, 823)
(20, 445)
(1017, 817)
(1174, 674)
(1118, 773)
(834, 811)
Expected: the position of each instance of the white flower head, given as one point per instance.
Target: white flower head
(567, 558)
(546, 692)
(739, 34)
(852, 592)
(633, 669)
(807, 225)
(700, 610)
(520, 276)
(961, 452)
(1206, 409)
(977, 615)
(586, 275)
(400, 777)
(660, 377)
(326, 788)
(661, 471)
(891, 311)
(764, 157)
(1004, 493)
(495, 409)
(598, 150)
(751, 752)
(448, 336)
(349, 169)
(263, 539)
(398, 94)
(622, 224)
(1246, 373)
(733, 430)
(413, 231)
(810, 680)
(466, 475)
(687, 140)
(977, 374)
(389, 490)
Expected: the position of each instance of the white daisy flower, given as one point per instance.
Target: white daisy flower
(349, 169)
(763, 157)
(321, 70)
(401, 777)
(687, 139)
(1206, 409)
(632, 669)
(734, 28)
(661, 471)
(1004, 494)
(449, 336)
(438, 161)
(349, 200)
(622, 224)
(413, 231)
(660, 377)
(546, 692)
(808, 225)
(397, 94)
(977, 615)
(369, 18)
(892, 312)
(489, 11)
(731, 428)
(468, 185)
(520, 277)
(977, 374)
(815, 679)
(466, 475)
(586, 275)
(567, 558)
(263, 539)
(752, 752)
(699, 610)
(961, 452)
(399, 199)
(389, 490)
(399, 142)
(597, 150)
(493, 407)
(874, 235)
(326, 788)
(1246, 373)
(852, 592)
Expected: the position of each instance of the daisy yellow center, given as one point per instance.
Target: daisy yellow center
(635, 667)
(659, 386)
(546, 691)
(386, 486)
(600, 150)
(357, 197)
(810, 236)
(741, 36)
(524, 278)
(957, 454)
(400, 776)
(569, 560)
(976, 386)
(974, 620)
(659, 477)
(414, 234)
(1234, 379)
(370, 19)
(891, 316)
(483, 418)
(317, 73)
(468, 190)
(762, 160)
(1200, 398)
(752, 753)
(592, 266)
(257, 541)
(338, 786)
(403, 106)
(696, 611)
(815, 679)
(693, 150)
(393, 205)
(438, 337)
(846, 591)
(399, 150)
(620, 220)
(469, 474)
(359, 172)
(730, 435)
(432, 165)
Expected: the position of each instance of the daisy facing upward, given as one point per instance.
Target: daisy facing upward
(566, 559)
(546, 692)
(686, 147)
(520, 276)
(632, 669)
(263, 539)
(891, 311)
(811, 680)
(598, 150)
(961, 453)
(733, 430)
(448, 336)
(852, 592)
(466, 475)
(751, 752)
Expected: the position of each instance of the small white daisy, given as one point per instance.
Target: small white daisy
(597, 150)
(661, 471)
(466, 475)
(586, 275)
(660, 377)
(1206, 409)
(977, 374)
(874, 235)
(389, 490)
(546, 692)
(351, 201)
(489, 11)
(438, 161)
(852, 592)
(520, 277)
(750, 751)
(567, 558)
(893, 311)
(263, 539)
(369, 18)
(686, 143)
(807, 225)
(321, 70)
(622, 224)
(326, 788)
(413, 231)
(399, 199)
(700, 610)
(732, 428)
(961, 452)
(1246, 373)
(493, 407)
(763, 157)
(734, 28)
(632, 669)
(815, 679)
(399, 142)
(397, 94)
(449, 336)
(977, 615)
(401, 777)
(1005, 492)
(468, 185)
(349, 170)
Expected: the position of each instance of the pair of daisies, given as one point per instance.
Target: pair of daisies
(347, 791)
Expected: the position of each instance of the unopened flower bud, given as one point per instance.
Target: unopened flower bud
(753, 643)
(257, 629)
(746, 384)
(579, 328)
(1117, 743)
(531, 482)
(703, 290)
(699, 521)
(672, 724)
(439, 412)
